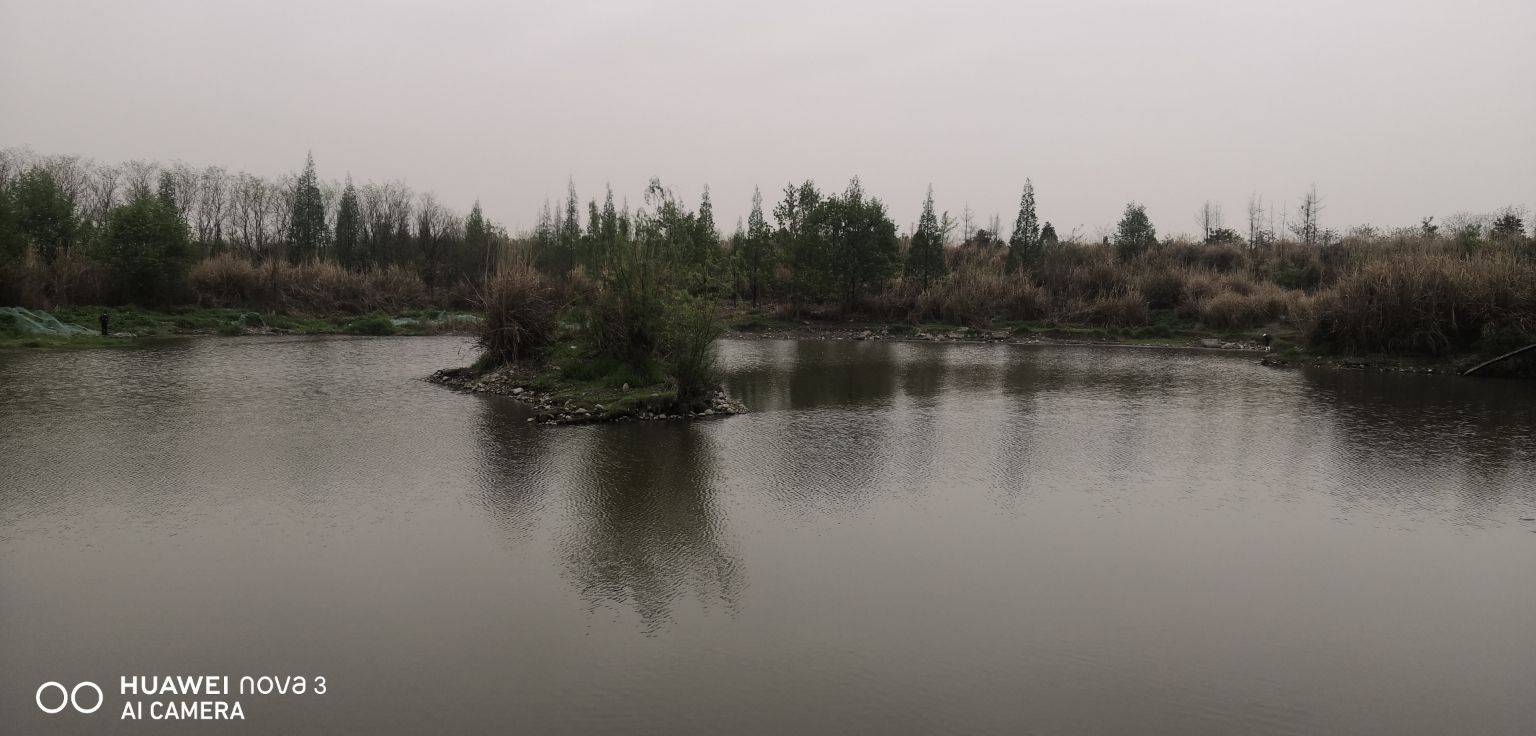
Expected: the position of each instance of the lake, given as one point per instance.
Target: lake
(899, 538)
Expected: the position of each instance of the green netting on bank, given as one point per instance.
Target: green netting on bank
(36, 322)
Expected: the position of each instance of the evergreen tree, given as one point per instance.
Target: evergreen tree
(1508, 225)
(306, 233)
(1024, 245)
(706, 238)
(592, 248)
(570, 226)
(757, 249)
(349, 228)
(1135, 233)
(167, 190)
(547, 253)
(736, 248)
(1048, 236)
(146, 249)
(708, 235)
(477, 238)
(925, 257)
(610, 229)
(44, 215)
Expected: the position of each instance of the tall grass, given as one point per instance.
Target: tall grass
(1428, 302)
(520, 315)
(315, 287)
(1400, 294)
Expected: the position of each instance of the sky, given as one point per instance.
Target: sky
(1393, 109)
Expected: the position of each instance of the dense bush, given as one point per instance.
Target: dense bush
(689, 353)
(373, 324)
(146, 251)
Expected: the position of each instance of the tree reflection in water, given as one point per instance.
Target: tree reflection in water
(647, 532)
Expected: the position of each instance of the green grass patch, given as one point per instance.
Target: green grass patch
(374, 324)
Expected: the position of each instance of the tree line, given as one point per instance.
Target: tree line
(145, 223)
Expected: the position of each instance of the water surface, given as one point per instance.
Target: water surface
(899, 538)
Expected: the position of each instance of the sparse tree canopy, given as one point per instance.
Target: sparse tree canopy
(1306, 226)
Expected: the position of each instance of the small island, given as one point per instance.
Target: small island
(628, 348)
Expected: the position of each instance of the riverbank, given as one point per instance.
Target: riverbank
(79, 327)
(129, 326)
(1282, 350)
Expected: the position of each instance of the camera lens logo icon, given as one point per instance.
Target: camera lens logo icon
(67, 697)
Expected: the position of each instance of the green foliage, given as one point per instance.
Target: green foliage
(12, 245)
(550, 253)
(925, 256)
(44, 214)
(1027, 241)
(706, 237)
(1135, 233)
(570, 224)
(1224, 235)
(348, 239)
(167, 190)
(1508, 225)
(1048, 235)
(799, 245)
(626, 317)
(307, 232)
(757, 253)
(376, 324)
(859, 244)
(689, 352)
(146, 250)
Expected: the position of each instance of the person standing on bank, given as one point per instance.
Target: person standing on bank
(104, 320)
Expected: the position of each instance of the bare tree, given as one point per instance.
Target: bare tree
(435, 225)
(102, 196)
(1256, 220)
(249, 198)
(141, 177)
(1307, 212)
(187, 181)
(13, 161)
(1209, 218)
(72, 174)
(212, 202)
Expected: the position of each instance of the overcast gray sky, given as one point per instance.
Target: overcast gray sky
(1394, 108)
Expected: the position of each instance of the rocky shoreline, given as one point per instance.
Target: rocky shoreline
(578, 405)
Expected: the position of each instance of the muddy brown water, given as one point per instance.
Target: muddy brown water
(900, 538)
